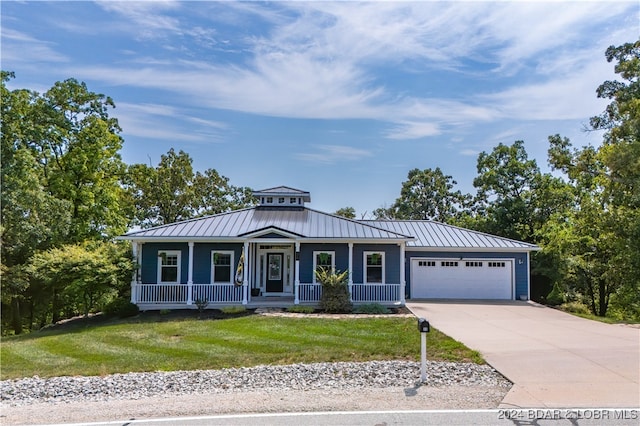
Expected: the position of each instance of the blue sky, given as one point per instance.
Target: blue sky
(339, 99)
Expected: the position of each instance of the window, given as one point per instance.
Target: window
(169, 266)
(269, 200)
(473, 264)
(325, 260)
(496, 264)
(281, 200)
(222, 267)
(426, 263)
(374, 267)
(449, 264)
(293, 200)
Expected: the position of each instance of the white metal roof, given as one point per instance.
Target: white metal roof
(239, 224)
(430, 234)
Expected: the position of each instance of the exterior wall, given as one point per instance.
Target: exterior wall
(391, 261)
(149, 266)
(521, 268)
(306, 258)
(201, 260)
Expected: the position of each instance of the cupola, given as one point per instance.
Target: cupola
(282, 196)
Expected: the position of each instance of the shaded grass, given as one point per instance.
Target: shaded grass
(188, 344)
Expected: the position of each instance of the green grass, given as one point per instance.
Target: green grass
(139, 344)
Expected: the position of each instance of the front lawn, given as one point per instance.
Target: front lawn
(138, 344)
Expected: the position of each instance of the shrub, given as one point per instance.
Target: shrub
(298, 309)
(121, 308)
(231, 310)
(556, 297)
(575, 308)
(335, 291)
(371, 308)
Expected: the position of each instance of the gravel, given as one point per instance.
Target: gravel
(340, 377)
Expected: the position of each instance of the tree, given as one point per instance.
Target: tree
(348, 212)
(61, 176)
(171, 191)
(426, 195)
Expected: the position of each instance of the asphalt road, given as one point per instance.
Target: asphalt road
(538, 417)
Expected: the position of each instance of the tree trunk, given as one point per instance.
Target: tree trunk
(602, 299)
(16, 320)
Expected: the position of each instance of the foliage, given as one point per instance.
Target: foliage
(172, 191)
(348, 212)
(575, 308)
(556, 296)
(233, 310)
(426, 195)
(335, 297)
(190, 344)
(80, 277)
(301, 309)
(371, 308)
(201, 304)
(121, 308)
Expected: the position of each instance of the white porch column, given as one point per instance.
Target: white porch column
(351, 272)
(403, 281)
(528, 275)
(296, 284)
(190, 275)
(135, 246)
(245, 279)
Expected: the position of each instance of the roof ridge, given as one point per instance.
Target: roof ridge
(359, 222)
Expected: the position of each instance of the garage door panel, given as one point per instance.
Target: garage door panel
(461, 279)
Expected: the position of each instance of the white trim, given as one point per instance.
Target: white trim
(177, 253)
(365, 278)
(403, 281)
(232, 267)
(190, 274)
(315, 265)
(528, 276)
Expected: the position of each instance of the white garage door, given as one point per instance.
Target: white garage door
(461, 279)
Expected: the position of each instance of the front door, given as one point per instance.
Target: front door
(275, 282)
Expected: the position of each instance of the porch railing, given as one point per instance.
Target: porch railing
(308, 292)
(217, 292)
(179, 293)
(375, 292)
(162, 293)
(230, 293)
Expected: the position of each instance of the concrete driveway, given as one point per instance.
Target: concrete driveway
(554, 359)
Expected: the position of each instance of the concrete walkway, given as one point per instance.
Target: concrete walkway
(554, 359)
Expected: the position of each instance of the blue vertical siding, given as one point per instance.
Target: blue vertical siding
(521, 267)
(391, 261)
(306, 258)
(201, 260)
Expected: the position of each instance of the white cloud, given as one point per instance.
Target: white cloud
(164, 122)
(19, 47)
(329, 154)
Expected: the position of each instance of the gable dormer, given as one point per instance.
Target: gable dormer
(282, 196)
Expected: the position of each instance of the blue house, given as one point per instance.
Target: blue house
(268, 254)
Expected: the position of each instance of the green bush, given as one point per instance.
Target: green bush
(575, 308)
(121, 308)
(335, 291)
(231, 310)
(371, 308)
(556, 296)
(299, 309)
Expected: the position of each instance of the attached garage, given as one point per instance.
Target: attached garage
(447, 278)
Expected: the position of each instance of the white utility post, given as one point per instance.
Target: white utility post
(423, 327)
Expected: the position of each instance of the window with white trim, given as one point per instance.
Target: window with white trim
(373, 267)
(222, 266)
(449, 264)
(473, 264)
(323, 260)
(496, 264)
(426, 263)
(169, 266)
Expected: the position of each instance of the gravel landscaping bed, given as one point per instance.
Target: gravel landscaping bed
(297, 377)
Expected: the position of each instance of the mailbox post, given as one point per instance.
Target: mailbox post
(423, 328)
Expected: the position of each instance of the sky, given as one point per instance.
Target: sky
(341, 99)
